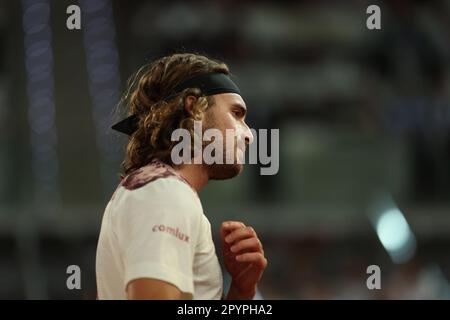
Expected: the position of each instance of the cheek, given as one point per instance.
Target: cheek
(227, 122)
(231, 122)
(221, 120)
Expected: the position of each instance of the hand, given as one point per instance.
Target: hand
(243, 256)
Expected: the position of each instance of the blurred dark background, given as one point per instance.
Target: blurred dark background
(364, 120)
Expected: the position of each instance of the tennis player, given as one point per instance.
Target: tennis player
(155, 240)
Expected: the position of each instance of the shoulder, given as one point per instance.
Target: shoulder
(163, 194)
(155, 193)
(166, 198)
(147, 174)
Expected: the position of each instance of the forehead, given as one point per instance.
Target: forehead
(229, 99)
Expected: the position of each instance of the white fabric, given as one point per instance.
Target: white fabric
(157, 230)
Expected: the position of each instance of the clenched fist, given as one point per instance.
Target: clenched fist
(243, 257)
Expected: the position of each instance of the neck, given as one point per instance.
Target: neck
(195, 174)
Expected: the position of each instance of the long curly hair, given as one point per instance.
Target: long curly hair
(149, 96)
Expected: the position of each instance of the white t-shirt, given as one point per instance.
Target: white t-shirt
(154, 227)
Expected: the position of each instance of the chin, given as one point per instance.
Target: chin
(224, 171)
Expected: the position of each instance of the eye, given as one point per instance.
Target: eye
(237, 113)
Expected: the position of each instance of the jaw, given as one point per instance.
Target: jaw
(224, 171)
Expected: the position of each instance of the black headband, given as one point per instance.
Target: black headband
(209, 84)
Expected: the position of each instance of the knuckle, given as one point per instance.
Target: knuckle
(259, 243)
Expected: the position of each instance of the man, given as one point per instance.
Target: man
(155, 241)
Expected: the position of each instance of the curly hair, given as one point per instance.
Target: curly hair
(149, 97)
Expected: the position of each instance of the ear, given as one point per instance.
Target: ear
(189, 103)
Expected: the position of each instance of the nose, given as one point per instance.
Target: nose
(248, 136)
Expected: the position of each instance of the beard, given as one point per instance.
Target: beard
(223, 171)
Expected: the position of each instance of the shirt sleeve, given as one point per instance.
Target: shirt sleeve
(157, 226)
